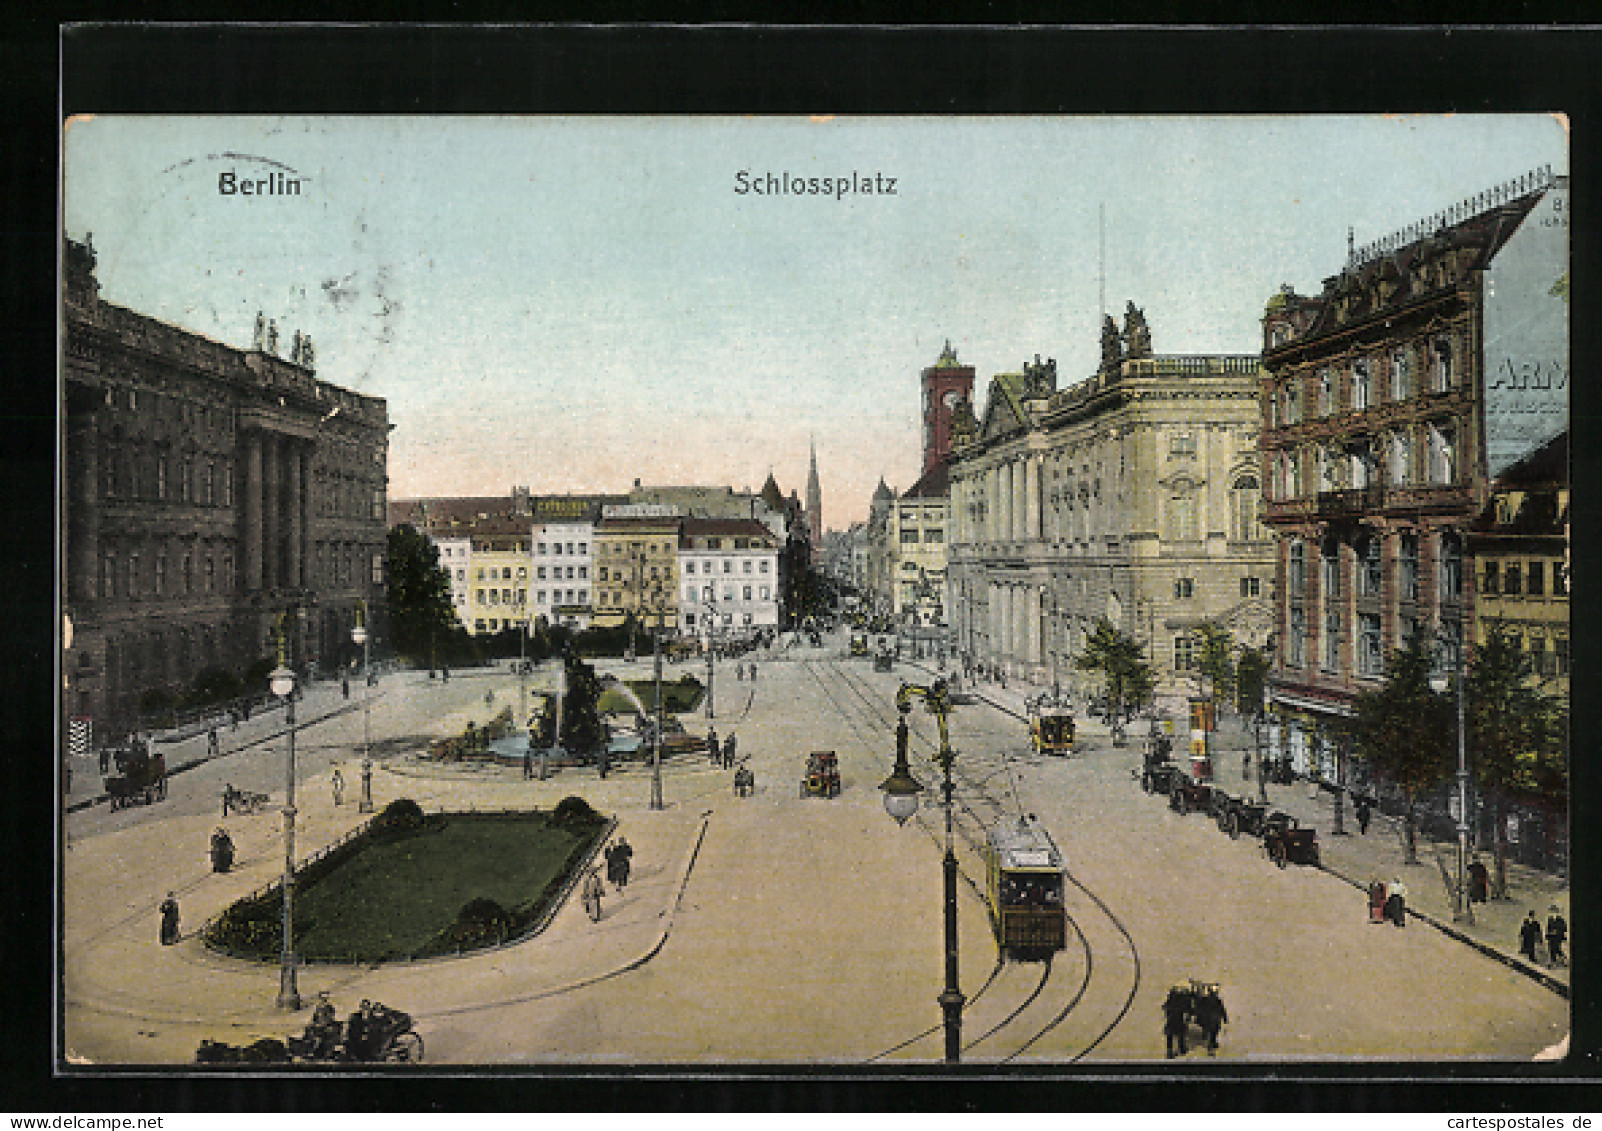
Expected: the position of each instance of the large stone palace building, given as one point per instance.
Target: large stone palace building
(1434, 361)
(211, 495)
(1132, 496)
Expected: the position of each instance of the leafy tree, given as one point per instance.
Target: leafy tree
(1121, 661)
(1405, 730)
(582, 730)
(1517, 736)
(1251, 675)
(1216, 661)
(419, 593)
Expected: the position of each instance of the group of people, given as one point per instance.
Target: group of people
(1387, 903)
(619, 856)
(1192, 1001)
(744, 671)
(720, 756)
(1557, 934)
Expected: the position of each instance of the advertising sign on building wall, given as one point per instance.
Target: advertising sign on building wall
(1527, 334)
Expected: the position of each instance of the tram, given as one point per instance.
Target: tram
(1051, 730)
(1025, 878)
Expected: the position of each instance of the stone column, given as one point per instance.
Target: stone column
(1009, 511)
(1033, 613)
(1032, 498)
(293, 526)
(271, 508)
(993, 504)
(251, 505)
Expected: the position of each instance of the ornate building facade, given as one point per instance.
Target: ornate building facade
(211, 495)
(1132, 496)
(1436, 359)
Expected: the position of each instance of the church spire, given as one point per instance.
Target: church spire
(814, 501)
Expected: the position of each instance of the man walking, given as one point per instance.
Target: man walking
(213, 745)
(339, 788)
(169, 920)
(1529, 936)
(1176, 1018)
(1557, 932)
(620, 856)
(1363, 814)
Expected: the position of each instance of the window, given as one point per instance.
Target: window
(746, 565)
(1245, 500)
(1536, 585)
(767, 593)
(1407, 567)
(584, 547)
(1331, 560)
(1293, 403)
(1560, 656)
(378, 504)
(539, 596)
(1401, 378)
(478, 596)
(1560, 579)
(764, 567)
(1184, 588)
(1513, 579)
(539, 573)
(728, 566)
(1442, 469)
(1440, 365)
(1298, 566)
(478, 626)
(583, 572)
(1326, 469)
(746, 594)
(161, 478)
(461, 575)
(909, 537)
(1369, 573)
(1182, 444)
(481, 573)
(161, 574)
(495, 624)
(689, 567)
(133, 575)
(542, 547)
(1326, 392)
(1401, 458)
(1250, 587)
(1371, 652)
(1361, 379)
(1298, 638)
(1184, 653)
(1451, 587)
(189, 575)
(1332, 641)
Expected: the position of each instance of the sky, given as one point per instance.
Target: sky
(570, 304)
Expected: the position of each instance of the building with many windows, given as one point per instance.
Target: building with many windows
(1433, 362)
(729, 577)
(637, 566)
(1132, 496)
(213, 497)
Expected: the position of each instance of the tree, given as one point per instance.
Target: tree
(582, 730)
(1516, 736)
(1120, 660)
(1251, 675)
(1216, 661)
(419, 594)
(1405, 730)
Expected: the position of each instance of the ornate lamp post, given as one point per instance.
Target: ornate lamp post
(1462, 909)
(711, 653)
(282, 683)
(656, 731)
(901, 791)
(360, 637)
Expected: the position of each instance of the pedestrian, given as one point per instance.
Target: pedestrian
(624, 853)
(728, 753)
(213, 744)
(1396, 903)
(233, 719)
(339, 787)
(169, 920)
(1557, 932)
(1210, 1015)
(105, 760)
(228, 797)
(1479, 881)
(712, 746)
(1176, 1019)
(593, 891)
(1376, 901)
(1246, 766)
(245, 710)
(1363, 814)
(344, 686)
(1529, 936)
(528, 763)
(739, 672)
(222, 851)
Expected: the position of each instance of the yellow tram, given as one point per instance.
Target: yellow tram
(1025, 879)
(1051, 730)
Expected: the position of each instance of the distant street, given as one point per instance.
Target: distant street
(777, 928)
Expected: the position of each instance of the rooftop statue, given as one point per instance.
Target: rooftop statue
(1137, 335)
(1112, 349)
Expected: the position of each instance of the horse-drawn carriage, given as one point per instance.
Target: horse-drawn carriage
(141, 776)
(822, 778)
(1286, 842)
(374, 1034)
(242, 801)
(1236, 815)
(1186, 794)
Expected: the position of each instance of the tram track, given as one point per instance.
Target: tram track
(978, 809)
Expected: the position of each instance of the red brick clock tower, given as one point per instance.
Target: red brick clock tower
(944, 383)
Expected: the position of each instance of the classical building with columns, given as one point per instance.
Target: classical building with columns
(211, 494)
(1436, 360)
(1132, 496)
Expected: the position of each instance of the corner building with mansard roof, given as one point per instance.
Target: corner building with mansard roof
(1435, 360)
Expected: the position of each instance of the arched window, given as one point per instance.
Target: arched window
(1451, 571)
(1245, 502)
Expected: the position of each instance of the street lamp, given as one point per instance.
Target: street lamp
(360, 637)
(1462, 908)
(711, 653)
(656, 731)
(901, 791)
(282, 683)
